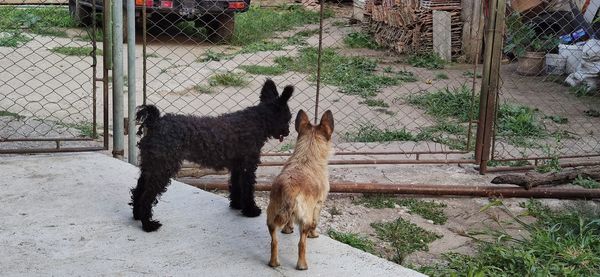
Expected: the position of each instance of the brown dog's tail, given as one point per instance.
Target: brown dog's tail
(146, 116)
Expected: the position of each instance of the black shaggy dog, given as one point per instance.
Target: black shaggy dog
(231, 141)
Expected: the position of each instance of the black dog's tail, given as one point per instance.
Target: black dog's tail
(146, 115)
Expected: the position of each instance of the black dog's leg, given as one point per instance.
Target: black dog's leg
(155, 184)
(136, 193)
(235, 189)
(249, 207)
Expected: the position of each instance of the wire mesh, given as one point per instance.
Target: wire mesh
(46, 77)
(384, 98)
(548, 101)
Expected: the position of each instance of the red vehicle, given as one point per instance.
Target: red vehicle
(217, 16)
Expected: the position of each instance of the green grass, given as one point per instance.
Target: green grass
(259, 24)
(519, 124)
(441, 76)
(494, 163)
(39, 20)
(581, 90)
(375, 103)
(299, 38)
(353, 75)
(586, 182)
(286, 147)
(204, 89)
(355, 240)
(75, 51)
(452, 134)
(13, 39)
(228, 79)
(11, 114)
(470, 74)
(263, 70)
(86, 129)
(431, 210)
(370, 133)
(360, 40)
(557, 119)
(426, 60)
(210, 56)
(404, 237)
(376, 201)
(87, 36)
(564, 242)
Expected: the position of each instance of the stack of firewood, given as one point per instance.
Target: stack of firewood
(407, 25)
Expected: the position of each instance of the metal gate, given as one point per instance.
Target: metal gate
(49, 100)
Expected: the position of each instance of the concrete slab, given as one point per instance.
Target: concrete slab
(68, 215)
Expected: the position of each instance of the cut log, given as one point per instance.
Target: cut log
(531, 180)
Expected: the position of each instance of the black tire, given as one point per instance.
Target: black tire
(80, 13)
(219, 28)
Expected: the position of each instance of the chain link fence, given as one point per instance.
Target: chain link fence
(386, 99)
(47, 99)
(548, 100)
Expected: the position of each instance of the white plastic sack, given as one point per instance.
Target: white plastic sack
(588, 69)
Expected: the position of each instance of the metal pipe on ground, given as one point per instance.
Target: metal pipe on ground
(429, 190)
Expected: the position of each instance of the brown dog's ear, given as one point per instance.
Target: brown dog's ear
(326, 125)
(301, 120)
(269, 91)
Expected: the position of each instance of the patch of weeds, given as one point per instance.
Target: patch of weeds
(263, 70)
(470, 74)
(152, 55)
(376, 201)
(210, 56)
(203, 89)
(564, 242)
(427, 60)
(35, 19)
(516, 121)
(581, 90)
(299, 38)
(553, 164)
(375, 103)
(86, 129)
(441, 76)
(286, 147)
(87, 36)
(370, 133)
(13, 39)
(360, 40)
(592, 113)
(388, 69)
(586, 182)
(405, 76)
(339, 23)
(385, 111)
(448, 102)
(452, 134)
(228, 79)
(11, 114)
(354, 75)
(75, 51)
(431, 210)
(557, 119)
(258, 23)
(260, 46)
(355, 240)
(494, 163)
(404, 237)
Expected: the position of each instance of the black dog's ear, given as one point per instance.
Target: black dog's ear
(269, 91)
(301, 120)
(286, 94)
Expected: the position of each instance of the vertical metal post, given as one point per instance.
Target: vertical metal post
(118, 118)
(106, 65)
(131, 93)
(319, 55)
(490, 82)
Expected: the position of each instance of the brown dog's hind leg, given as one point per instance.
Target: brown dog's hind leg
(274, 262)
(301, 264)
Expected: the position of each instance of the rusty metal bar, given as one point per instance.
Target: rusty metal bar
(363, 162)
(376, 153)
(106, 66)
(548, 158)
(319, 56)
(50, 150)
(430, 190)
(46, 139)
(94, 71)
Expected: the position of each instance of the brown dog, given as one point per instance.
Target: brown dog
(301, 188)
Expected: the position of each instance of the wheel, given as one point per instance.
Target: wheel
(219, 28)
(81, 14)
